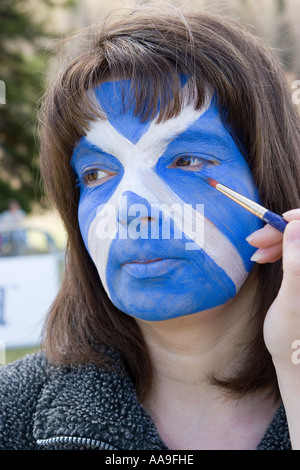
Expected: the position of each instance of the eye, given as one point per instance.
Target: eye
(188, 161)
(96, 177)
(192, 163)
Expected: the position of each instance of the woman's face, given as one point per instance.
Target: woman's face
(164, 242)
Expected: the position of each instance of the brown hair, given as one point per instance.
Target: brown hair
(152, 48)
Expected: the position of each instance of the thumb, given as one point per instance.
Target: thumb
(290, 288)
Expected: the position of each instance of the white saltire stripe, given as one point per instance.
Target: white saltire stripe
(139, 177)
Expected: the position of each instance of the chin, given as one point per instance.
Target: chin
(160, 313)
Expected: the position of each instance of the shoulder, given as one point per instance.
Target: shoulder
(22, 368)
(20, 385)
(39, 400)
(48, 406)
(24, 374)
(277, 436)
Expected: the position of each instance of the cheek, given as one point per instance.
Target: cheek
(233, 220)
(228, 217)
(94, 233)
(86, 213)
(91, 202)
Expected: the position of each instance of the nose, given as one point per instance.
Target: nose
(135, 207)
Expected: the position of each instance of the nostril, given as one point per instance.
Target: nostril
(147, 220)
(134, 208)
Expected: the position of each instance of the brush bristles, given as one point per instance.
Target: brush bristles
(212, 182)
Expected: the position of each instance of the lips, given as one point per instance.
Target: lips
(145, 261)
(151, 268)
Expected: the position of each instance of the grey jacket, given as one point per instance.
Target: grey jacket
(84, 407)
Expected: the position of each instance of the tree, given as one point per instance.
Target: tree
(22, 59)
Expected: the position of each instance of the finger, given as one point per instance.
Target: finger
(268, 235)
(265, 237)
(268, 255)
(291, 265)
(293, 214)
(291, 258)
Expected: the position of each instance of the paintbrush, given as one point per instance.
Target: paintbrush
(275, 220)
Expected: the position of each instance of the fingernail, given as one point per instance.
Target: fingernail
(256, 256)
(291, 212)
(250, 237)
(253, 235)
(293, 231)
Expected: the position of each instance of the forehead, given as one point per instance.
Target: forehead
(123, 134)
(115, 99)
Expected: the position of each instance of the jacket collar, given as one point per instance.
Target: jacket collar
(85, 407)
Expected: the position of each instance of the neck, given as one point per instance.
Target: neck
(185, 351)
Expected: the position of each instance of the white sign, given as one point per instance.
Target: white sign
(28, 286)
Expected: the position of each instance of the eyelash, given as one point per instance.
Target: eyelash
(201, 162)
(83, 180)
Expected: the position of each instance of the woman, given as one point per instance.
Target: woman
(164, 336)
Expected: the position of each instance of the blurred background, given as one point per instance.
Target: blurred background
(32, 239)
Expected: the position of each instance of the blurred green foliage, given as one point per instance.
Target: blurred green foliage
(22, 62)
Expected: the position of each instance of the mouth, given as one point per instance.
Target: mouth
(151, 268)
(145, 261)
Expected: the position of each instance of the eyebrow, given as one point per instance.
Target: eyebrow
(194, 135)
(81, 147)
(198, 133)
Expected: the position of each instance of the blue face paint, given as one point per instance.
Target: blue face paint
(125, 123)
(208, 141)
(127, 172)
(86, 158)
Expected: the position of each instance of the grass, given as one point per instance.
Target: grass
(14, 354)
